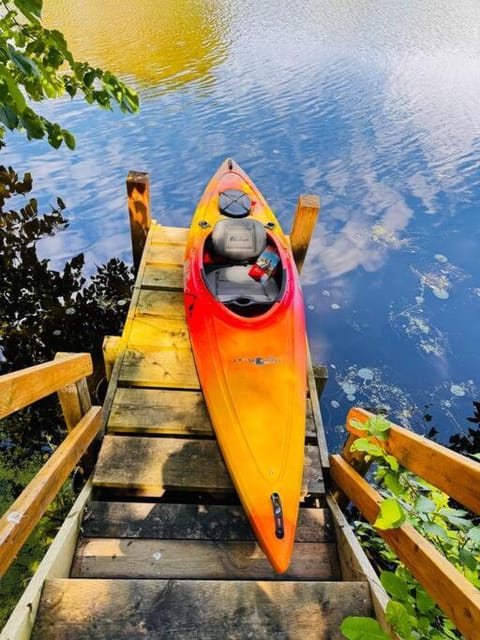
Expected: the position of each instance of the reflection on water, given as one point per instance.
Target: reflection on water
(159, 46)
(373, 105)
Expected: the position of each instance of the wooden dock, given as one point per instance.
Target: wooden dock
(164, 549)
(157, 544)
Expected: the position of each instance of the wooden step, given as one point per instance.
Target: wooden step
(170, 368)
(160, 304)
(159, 411)
(165, 278)
(151, 333)
(164, 260)
(204, 610)
(173, 235)
(199, 559)
(105, 519)
(150, 466)
(169, 412)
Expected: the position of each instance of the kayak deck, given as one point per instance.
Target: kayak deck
(247, 330)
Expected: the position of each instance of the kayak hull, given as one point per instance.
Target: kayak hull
(252, 372)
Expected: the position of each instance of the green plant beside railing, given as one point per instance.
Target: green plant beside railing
(407, 498)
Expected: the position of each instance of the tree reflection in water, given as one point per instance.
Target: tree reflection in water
(43, 311)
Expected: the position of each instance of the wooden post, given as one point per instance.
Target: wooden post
(74, 399)
(320, 373)
(110, 347)
(138, 192)
(303, 225)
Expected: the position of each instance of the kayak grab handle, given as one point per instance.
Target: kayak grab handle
(277, 515)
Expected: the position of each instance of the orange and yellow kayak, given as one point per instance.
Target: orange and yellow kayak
(245, 313)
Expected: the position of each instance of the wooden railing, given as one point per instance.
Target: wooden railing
(67, 376)
(451, 472)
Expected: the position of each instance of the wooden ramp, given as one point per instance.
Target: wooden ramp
(165, 550)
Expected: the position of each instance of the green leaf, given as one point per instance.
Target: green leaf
(455, 518)
(379, 427)
(394, 585)
(14, 91)
(8, 116)
(436, 530)
(424, 505)
(468, 559)
(364, 444)
(356, 424)
(392, 462)
(69, 139)
(393, 484)
(423, 601)
(360, 628)
(398, 617)
(33, 124)
(448, 511)
(474, 534)
(31, 9)
(391, 515)
(24, 64)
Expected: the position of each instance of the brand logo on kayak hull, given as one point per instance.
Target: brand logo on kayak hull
(257, 361)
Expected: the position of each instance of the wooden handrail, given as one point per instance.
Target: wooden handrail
(23, 515)
(66, 374)
(21, 388)
(456, 475)
(453, 593)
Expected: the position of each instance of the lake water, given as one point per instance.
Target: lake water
(375, 106)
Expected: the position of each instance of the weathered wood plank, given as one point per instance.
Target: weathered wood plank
(163, 368)
(355, 565)
(204, 610)
(166, 253)
(168, 412)
(161, 411)
(169, 234)
(453, 593)
(192, 521)
(23, 515)
(208, 560)
(317, 416)
(155, 465)
(152, 333)
(166, 304)
(21, 388)
(168, 278)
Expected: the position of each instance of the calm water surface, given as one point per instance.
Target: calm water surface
(375, 106)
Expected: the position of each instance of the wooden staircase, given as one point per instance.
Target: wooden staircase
(165, 550)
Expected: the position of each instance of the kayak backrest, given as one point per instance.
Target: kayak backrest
(238, 240)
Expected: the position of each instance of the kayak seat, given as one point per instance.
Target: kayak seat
(232, 283)
(238, 240)
(233, 247)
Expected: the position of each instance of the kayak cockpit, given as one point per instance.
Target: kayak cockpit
(242, 267)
